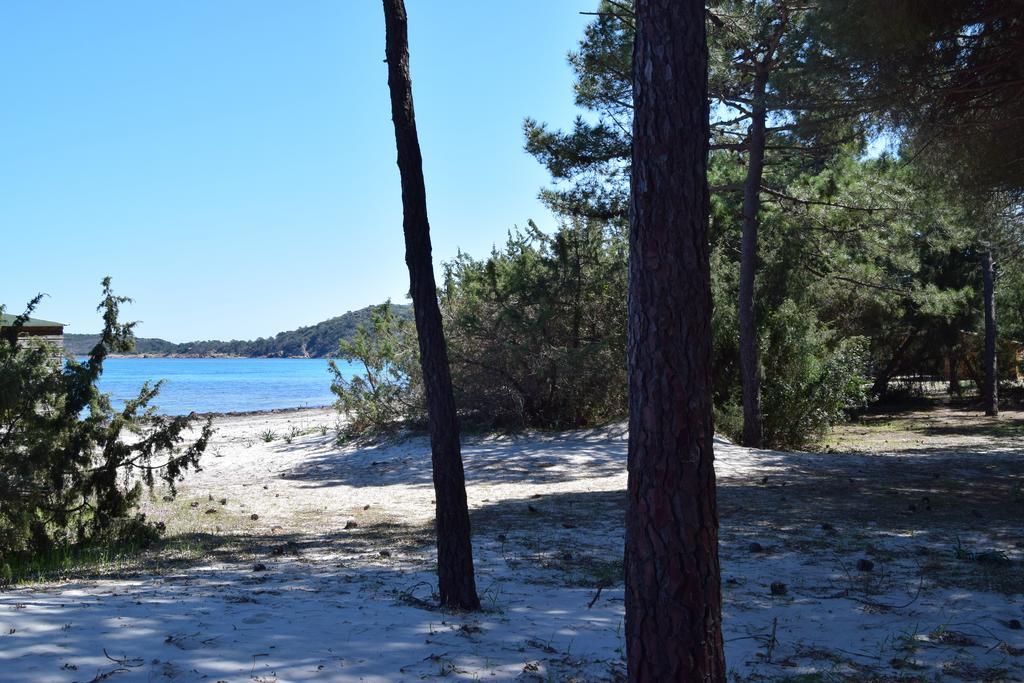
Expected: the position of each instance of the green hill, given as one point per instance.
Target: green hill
(314, 341)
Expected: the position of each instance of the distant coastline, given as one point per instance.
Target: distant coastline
(313, 341)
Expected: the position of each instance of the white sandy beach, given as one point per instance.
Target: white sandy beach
(334, 577)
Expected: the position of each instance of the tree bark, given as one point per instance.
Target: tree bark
(673, 592)
(990, 392)
(750, 365)
(881, 385)
(457, 584)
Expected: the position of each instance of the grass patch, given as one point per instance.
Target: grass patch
(64, 562)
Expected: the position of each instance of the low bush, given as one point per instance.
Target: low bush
(389, 389)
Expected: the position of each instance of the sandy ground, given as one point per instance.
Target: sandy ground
(291, 558)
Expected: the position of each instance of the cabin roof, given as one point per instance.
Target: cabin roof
(7, 320)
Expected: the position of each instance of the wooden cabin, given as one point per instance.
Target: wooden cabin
(35, 329)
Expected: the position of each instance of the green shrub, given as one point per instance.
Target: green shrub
(68, 475)
(536, 338)
(389, 390)
(810, 380)
(537, 331)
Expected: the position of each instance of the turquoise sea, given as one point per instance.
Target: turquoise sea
(220, 385)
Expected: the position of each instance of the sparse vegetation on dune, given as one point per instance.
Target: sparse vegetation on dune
(894, 546)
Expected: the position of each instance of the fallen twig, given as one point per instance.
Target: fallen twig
(107, 674)
(125, 661)
(258, 654)
(600, 587)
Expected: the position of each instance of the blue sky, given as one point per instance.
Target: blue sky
(231, 163)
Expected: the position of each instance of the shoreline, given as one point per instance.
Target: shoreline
(265, 411)
(202, 356)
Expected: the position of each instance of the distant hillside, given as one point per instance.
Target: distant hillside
(315, 341)
(81, 344)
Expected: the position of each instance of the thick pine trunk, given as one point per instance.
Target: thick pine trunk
(673, 593)
(990, 392)
(457, 585)
(750, 365)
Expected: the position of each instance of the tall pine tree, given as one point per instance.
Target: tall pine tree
(673, 592)
(457, 584)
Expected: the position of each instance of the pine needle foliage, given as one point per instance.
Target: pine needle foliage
(72, 468)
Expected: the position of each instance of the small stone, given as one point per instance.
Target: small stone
(351, 524)
(259, 567)
(779, 588)
(223, 501)
(366, 507)
(865, 565)
(755, 547)
(254, 516)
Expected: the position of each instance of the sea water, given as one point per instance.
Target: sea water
(220, 385)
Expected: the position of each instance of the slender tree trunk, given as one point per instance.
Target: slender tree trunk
(954, 374)
(457, 584)
(673, 592)
(990, 395)
(750, 365)
(881, 384)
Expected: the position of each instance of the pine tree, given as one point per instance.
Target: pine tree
(778, 100)
(457, 584)
(673, 593)
(949, 75)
